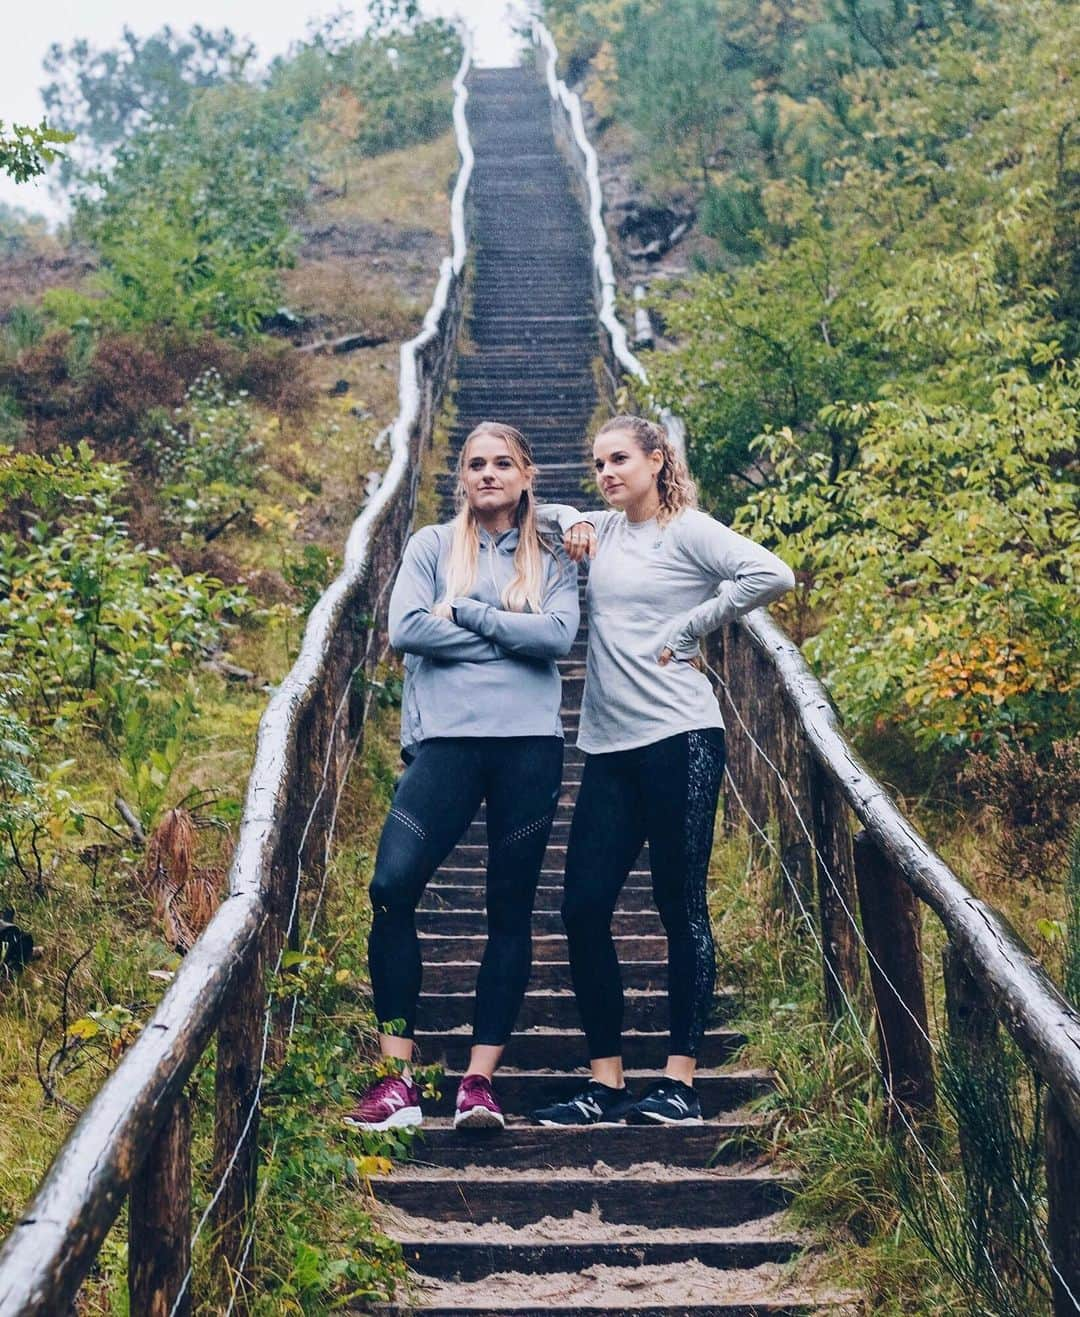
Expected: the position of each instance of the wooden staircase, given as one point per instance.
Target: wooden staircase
(540, 1221)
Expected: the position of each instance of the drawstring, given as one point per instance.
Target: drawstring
(491, 568)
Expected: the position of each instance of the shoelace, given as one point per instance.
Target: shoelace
(472, 1083)
(588, 1102)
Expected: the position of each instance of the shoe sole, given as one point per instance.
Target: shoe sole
(406, 1118)
(588, 1125)
(644, 1118)
(479, 1118)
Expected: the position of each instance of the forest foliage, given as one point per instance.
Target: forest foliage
(27, 151)
(876, 350)
(133, 396)
(873, 338)
(159, 446)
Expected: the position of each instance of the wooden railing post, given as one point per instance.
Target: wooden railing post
(1063, 1207)
(836, 891)
(240, 1041)
(742, 678)
(793, 807)
(892, 927)
(159, 1231)
(975, 1052)
(282, 931)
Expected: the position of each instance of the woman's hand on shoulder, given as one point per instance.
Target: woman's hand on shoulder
(580, 541)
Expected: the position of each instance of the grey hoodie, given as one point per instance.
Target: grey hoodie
(652, 587)
(491, 672)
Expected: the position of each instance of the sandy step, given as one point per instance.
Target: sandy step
(657, 1196)
(570, 1294)
(526, 1146)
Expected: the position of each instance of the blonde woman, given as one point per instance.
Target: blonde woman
(482, 608)
(662, 576)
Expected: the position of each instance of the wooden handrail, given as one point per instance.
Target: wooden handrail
(1024, 997)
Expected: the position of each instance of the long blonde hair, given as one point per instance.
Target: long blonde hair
(674, 483)
(526, 588)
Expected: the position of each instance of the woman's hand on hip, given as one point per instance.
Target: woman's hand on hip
(580, 541)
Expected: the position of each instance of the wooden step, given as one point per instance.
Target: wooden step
(470, 896)
(644, 1010)
(474, 854)
(667, 1197)
(717, 1142)
(472, 875)
(469, 1260)
(558, 1049)
(522, 1091)
(460, 976)
(436, 947)
(627, 923)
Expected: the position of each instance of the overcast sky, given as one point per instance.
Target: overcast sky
(34, 26)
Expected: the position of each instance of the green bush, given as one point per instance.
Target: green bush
(86, 613)
(885, 387)
(193, 222)
(18, 789)
(397, 79)
(206, 455)
(193, 219)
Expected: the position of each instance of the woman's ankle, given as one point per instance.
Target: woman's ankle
(682, 1068)
(393, 1047)
(608, 1070)
(484, 1060)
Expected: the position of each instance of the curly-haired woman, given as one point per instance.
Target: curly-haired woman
(663, 574)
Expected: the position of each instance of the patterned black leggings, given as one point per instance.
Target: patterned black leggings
(436, 800)
(666, 793)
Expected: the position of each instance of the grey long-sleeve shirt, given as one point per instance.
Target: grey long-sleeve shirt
(652, 587)
(490, 672)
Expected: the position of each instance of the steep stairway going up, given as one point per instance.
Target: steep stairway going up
(527, 1220)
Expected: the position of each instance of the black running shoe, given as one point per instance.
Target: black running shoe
(596, 1104)
(667, 1102)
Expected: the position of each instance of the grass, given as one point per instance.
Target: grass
(890, 1228)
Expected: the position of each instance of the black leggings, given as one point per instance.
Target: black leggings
(437, 798)
(667, 793)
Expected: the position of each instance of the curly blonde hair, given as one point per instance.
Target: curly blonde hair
(674, 483)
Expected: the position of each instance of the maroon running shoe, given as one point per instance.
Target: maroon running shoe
(391, 1104)
(476, 1105)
